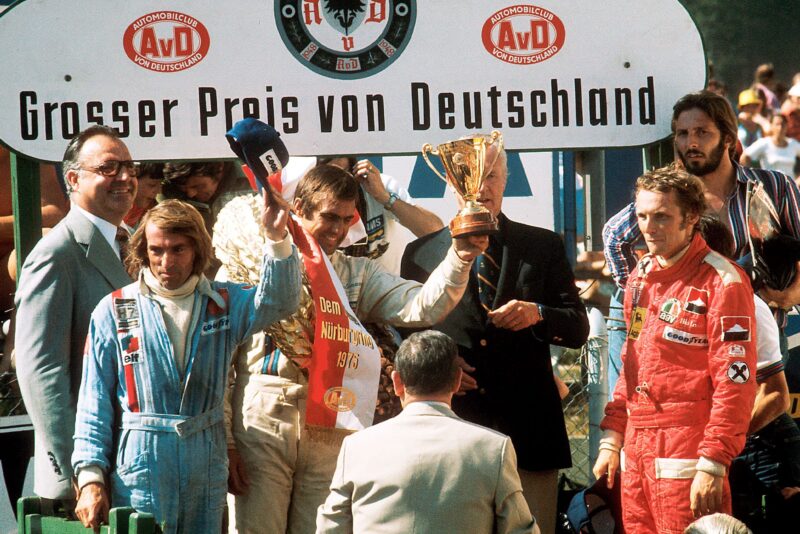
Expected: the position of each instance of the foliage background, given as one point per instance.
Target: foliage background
(739, 35)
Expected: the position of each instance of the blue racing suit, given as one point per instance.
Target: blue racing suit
(158, 434)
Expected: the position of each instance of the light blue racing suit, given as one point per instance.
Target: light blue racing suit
(159, 435)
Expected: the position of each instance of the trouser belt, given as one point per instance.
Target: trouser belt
(182, 425)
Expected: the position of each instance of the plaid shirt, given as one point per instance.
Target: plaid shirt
(621, 233)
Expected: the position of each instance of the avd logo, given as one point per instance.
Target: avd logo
(346, 39)
(523, 34)
(166, 41)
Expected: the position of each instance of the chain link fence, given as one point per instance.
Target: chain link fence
(584, 371)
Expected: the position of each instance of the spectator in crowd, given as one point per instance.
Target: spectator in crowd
(149, 432)
(751, 124)
(289, 470)
(704, 130)
(770, 460)
(682, 405)
(207, 186)
(382, 203)
(54, 207)
(791, 110)
(717, 524)
(717, 86)
(764, 81)
(62, 280)
(426, 470)
(521, 299)
(151, 176)
(775, 152)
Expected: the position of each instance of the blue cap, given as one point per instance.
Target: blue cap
(258, 145)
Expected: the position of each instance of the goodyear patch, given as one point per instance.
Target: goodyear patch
(685, 338)
(215, 325)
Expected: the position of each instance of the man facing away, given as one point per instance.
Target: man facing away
(681, 407)
(62, 280)
(149, 431)
(426, 470)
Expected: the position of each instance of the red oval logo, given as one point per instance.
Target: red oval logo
(166, 41)
(523, 34)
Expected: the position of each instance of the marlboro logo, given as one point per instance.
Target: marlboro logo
(736, 328)
(697, 301)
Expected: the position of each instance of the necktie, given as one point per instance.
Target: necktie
(122, 241)
(488, 270)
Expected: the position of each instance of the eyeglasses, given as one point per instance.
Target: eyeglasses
(111, 168)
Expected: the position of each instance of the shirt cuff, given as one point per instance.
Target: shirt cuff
(707, 465)
(455, 260)
(280, 250)
(90, 474)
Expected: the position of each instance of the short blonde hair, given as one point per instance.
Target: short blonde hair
(174, 217)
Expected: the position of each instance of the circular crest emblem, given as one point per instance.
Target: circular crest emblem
(738, 372)
(345, 39)
(340, 399)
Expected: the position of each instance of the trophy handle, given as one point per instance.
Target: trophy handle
(427, 147)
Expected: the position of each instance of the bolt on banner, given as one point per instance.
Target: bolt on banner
(373, 76)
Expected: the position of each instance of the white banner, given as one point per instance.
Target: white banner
(380, 76)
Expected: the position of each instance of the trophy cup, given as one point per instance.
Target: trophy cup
(464, 162)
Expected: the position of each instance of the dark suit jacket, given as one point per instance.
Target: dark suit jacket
(63, 278)
(517, 394)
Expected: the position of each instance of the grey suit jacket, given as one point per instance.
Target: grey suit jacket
(426, 471)
(64, 277)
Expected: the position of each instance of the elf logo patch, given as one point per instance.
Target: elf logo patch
(697, 301)
(523, 34)
(166, 41)
(735, 328)
(347, 39)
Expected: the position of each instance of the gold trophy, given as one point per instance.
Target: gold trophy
(464, 161)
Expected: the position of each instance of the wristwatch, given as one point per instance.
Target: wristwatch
(540, 310)
(390, 203)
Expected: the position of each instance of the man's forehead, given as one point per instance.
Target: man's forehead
(693, 117)
(647, 197)
(100, 144)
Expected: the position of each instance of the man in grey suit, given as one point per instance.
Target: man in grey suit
(62, 280)
(426, 470)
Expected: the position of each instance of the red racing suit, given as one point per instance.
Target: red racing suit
(688, 382)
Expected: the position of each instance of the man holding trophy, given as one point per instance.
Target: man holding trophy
(521, 298)
(297, 392)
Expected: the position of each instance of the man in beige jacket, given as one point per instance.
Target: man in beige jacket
(426, 470)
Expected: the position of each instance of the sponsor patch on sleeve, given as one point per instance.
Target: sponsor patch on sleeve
(697, 301)
(735, 328)
(739, 372)
(736, 350)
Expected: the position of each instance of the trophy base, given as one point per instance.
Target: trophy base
(482, 223)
